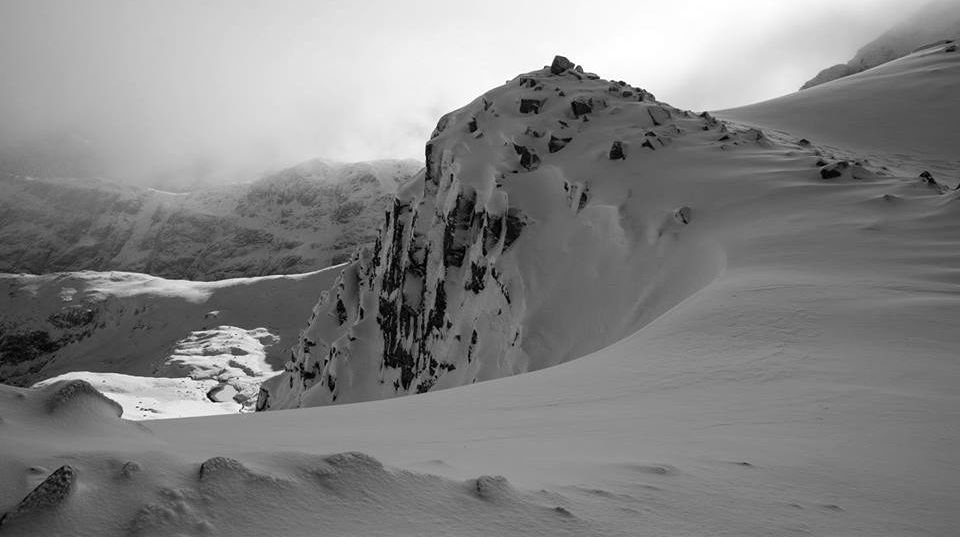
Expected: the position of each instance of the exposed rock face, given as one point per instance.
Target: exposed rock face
(300, 219)
(443, 298)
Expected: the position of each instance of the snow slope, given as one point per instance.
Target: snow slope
(808, 388)
(900, 114)
(300, 219)
(936, 21)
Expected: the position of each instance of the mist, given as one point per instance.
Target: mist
(183, 93)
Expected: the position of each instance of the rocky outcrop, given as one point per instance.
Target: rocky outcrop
(53, 491)
(442, 298)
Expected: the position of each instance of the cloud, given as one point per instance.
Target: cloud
(179, 91)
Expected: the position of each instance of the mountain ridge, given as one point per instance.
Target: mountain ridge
(303, 218)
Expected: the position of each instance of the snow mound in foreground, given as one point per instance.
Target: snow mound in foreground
(342, 494)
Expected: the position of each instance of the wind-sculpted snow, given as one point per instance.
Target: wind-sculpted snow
(537, 233)
(304, 218)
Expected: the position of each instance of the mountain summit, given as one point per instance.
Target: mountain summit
(531, 238)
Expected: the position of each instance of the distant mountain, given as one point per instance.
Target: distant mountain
(300, 219)
(935, 23)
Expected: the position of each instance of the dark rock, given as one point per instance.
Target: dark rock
(50, 493)
(561, 64)
(616, 151)
(834, 170)
(804, 142)
(477, 275)
(581, 106)
(472, 125)
(530, 106)
(341, 312)
(950, 48)
(928, 178)
(683, 215)
(516, 221)
(648, 144)
(528, 159)
(221, 466)
(263, 399)
(556, 144)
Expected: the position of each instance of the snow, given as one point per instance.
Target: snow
(144, 326)
(867, 114)
(215, 371)
(798, 377)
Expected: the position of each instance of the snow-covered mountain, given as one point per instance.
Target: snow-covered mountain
(555, 179)
(529, 191)
(936, 23)
(300, 219)
(800, 377)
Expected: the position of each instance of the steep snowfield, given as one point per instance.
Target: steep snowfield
(805, 386)
(300, 219)
(937, 21)
(132, 333)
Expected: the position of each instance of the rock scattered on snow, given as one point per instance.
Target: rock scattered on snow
(832, 171)
(129, 469)
(581, 106)
(616, 151)
(530, 106)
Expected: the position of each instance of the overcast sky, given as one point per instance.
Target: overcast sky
(161, 86)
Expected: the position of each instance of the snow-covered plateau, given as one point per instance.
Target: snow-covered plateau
(742, 323)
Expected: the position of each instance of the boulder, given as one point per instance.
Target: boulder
(530, 106)
(616, 151)
(581, 106)
(50, 493)
(560, 64)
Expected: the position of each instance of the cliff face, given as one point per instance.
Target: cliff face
(528, 240)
